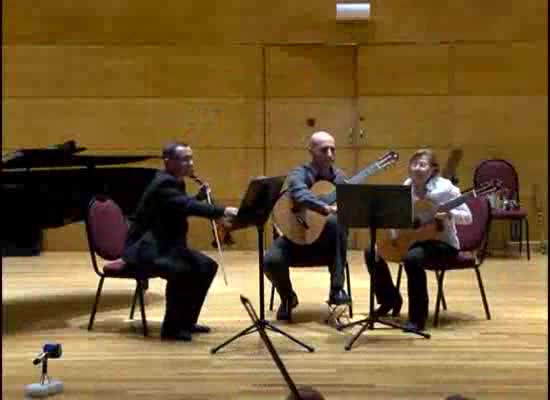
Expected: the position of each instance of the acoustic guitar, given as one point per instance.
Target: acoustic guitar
(425, 226)
(304, 226)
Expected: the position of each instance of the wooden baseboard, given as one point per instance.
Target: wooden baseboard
(540, 246)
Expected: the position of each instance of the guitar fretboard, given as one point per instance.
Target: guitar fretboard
(330, 198)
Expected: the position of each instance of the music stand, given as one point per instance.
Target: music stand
(374, 206)
(254, 210)
(260, 328)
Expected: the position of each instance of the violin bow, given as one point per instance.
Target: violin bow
(214, 228)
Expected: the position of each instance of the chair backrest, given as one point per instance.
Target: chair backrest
(106, 228)
(503, 170)
(474, 236)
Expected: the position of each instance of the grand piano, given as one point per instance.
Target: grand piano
(51, 187)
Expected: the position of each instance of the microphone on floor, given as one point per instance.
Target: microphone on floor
(47, 386)
(50, 350)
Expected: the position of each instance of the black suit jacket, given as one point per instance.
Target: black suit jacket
(158, 228)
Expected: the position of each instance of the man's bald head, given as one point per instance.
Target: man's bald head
(322, 149)
(320, 137)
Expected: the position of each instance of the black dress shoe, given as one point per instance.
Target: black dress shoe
(284, 312)
(183, 336)
(413, 326)
(196, 328)
(338, 297)
(394, 307)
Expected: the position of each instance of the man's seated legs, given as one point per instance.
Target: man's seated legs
(284, 253)
(333, 242)
(276, 269)
(385, 291)
(187, 286)
(202, 275)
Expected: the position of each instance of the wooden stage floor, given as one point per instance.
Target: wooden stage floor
(48, 299)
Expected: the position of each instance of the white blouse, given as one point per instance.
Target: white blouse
(441, 190)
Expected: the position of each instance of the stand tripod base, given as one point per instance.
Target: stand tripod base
(254, 328)
(368, 323)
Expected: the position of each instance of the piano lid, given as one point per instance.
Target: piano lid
(63, 155)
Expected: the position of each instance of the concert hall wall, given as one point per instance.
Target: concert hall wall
(246, 82)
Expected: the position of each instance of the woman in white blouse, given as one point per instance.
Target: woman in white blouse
(427, 184)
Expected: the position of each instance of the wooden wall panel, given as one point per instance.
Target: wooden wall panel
(309, 21)
(282, 161)
(310, 71)
(465, 20)
(134, 123)
(140, 21)
(133, 71)
(503, 121)
(403, 69)
(501, 68)
(405, 121)
(287, 120)
(228, 170)
(498, 20)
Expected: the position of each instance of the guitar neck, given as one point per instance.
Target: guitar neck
(330, 198)
(449, 205)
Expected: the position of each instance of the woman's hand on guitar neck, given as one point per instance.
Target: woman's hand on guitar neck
(442, 215)
(331, 209)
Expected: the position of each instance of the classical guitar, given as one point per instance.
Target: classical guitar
(425, 226)
(303, 226)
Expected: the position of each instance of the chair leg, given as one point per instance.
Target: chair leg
(520, 236)
(439, 297)
(142, 307)
(443, 301)
(272, 298)
(348, 282)
(398, 280)
(483, 296)
(136, 294)
(96, 303)
(527, 238)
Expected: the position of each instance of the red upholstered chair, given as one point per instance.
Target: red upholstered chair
(106, 229)
(473, 240)
(503, 170)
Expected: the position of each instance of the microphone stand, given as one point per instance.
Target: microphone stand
(46, 387)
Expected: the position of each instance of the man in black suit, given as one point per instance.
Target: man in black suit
(157, 241)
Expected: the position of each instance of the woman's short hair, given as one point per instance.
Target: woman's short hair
(432, 159)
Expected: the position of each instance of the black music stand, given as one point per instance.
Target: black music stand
(260, 328)
(374, 206)
(254, 210)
